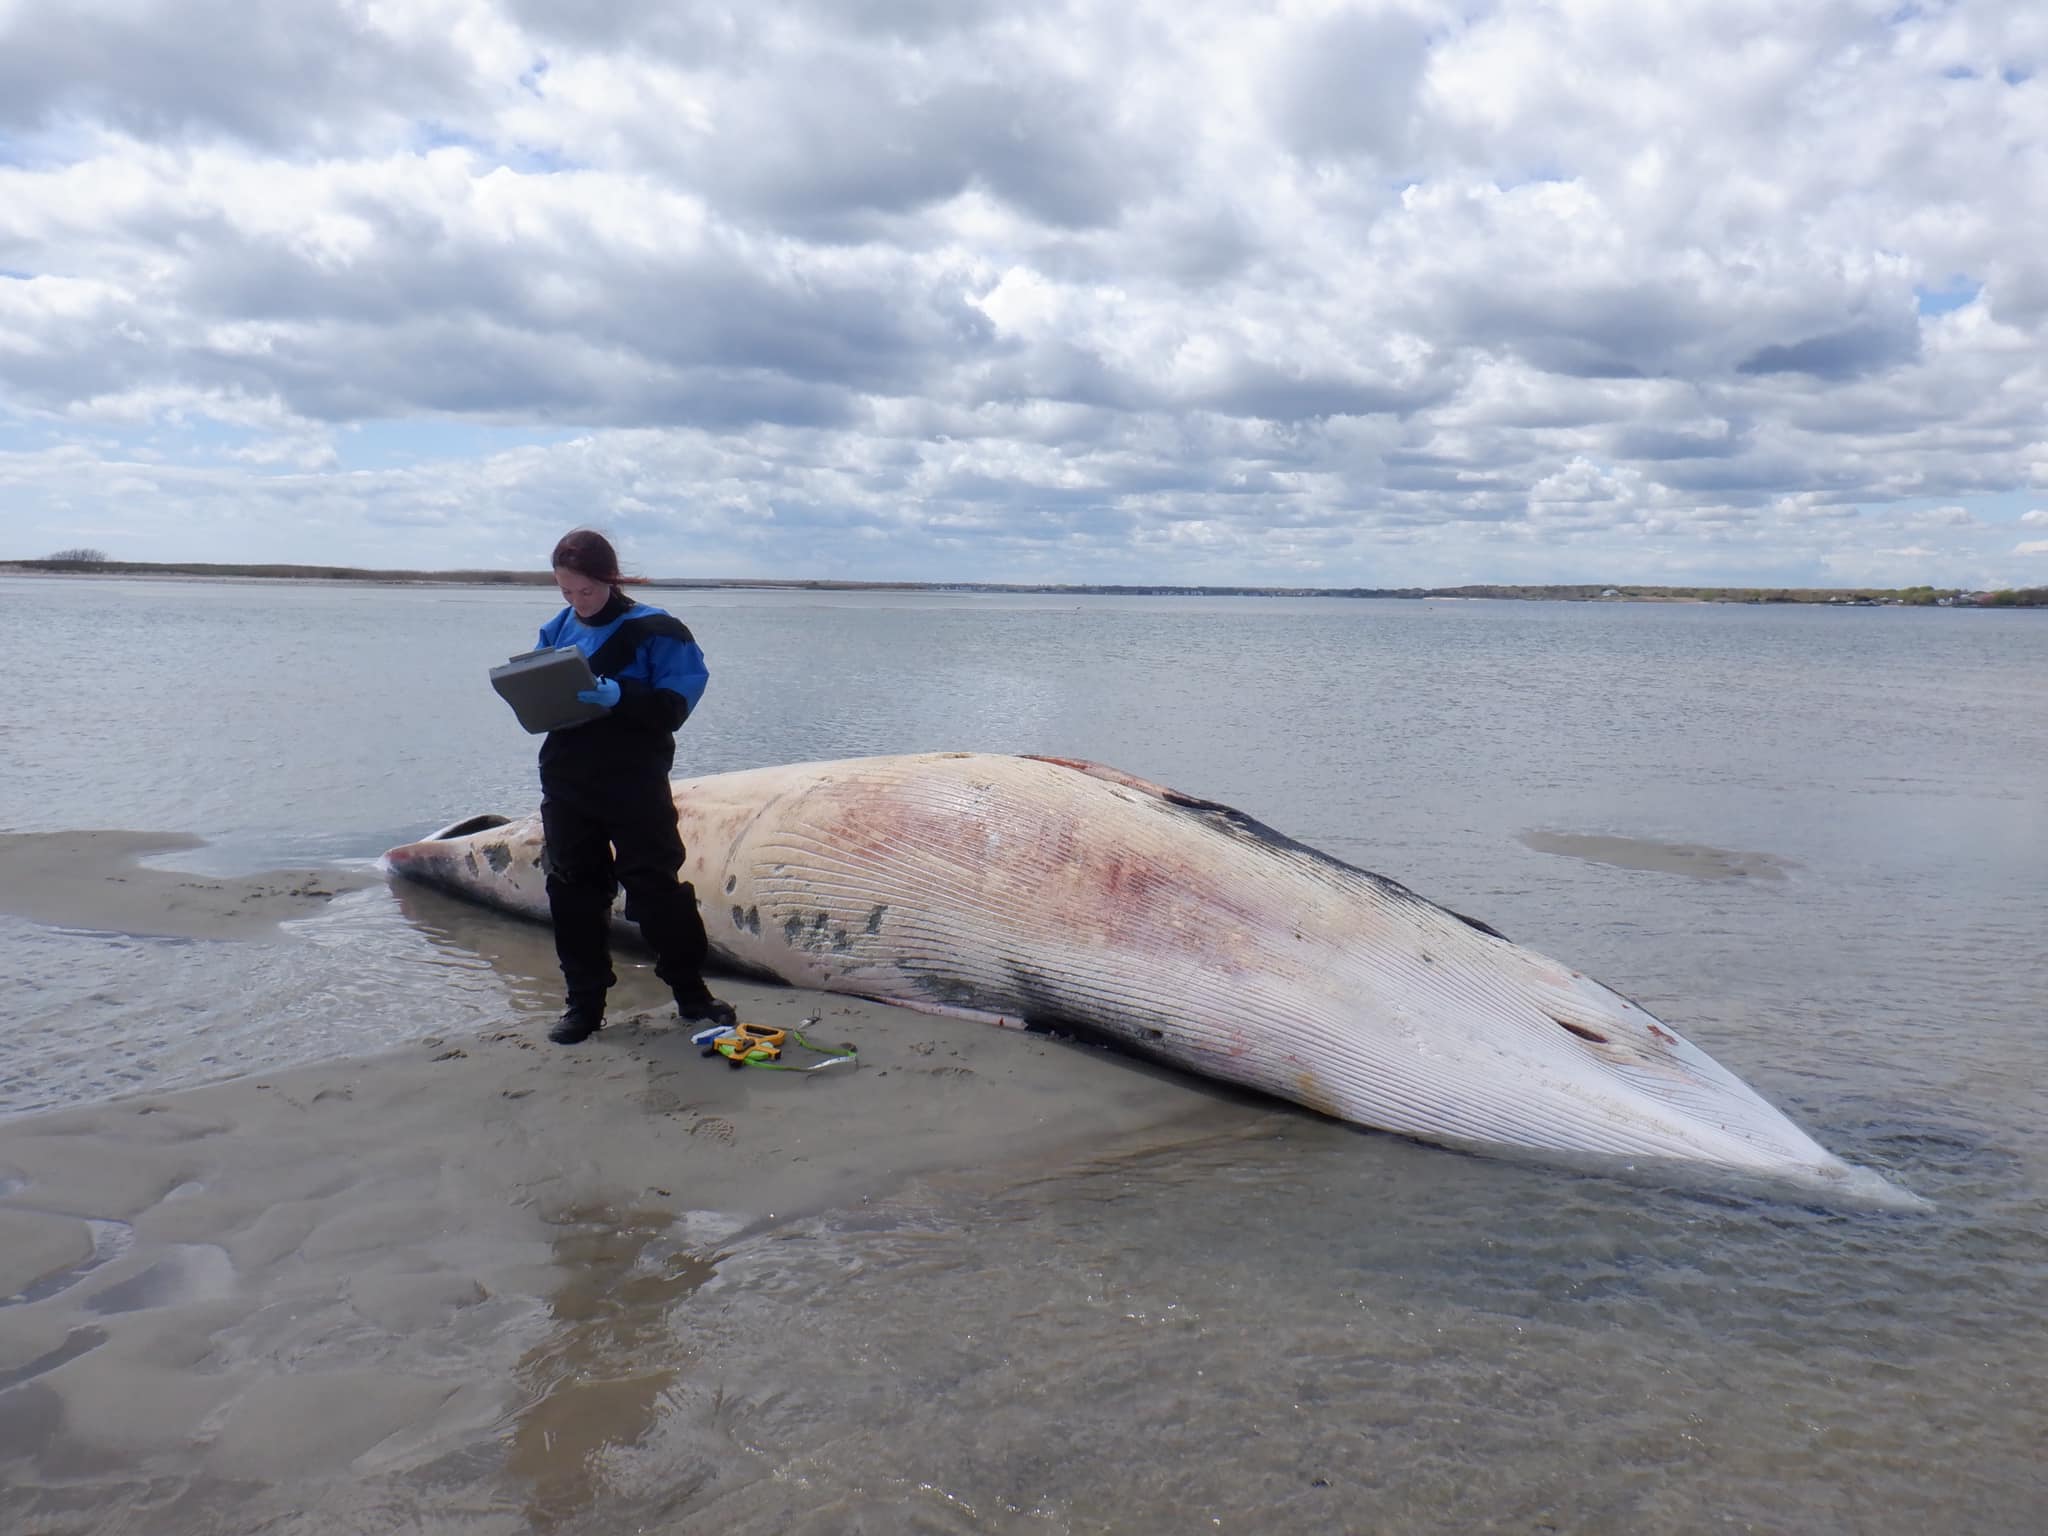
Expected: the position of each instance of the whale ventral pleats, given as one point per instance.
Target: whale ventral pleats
(1067, 895)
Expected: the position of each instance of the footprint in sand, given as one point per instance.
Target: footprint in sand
(718, 1130)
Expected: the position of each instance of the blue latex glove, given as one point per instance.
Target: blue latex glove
(606, 693)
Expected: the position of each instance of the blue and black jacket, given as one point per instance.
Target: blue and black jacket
(661, 674)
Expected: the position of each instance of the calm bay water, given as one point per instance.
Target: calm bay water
(1292, 1326)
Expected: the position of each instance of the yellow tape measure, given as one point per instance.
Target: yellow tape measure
(756, 1045)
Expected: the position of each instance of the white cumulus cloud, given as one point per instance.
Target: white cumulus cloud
(1374, 293)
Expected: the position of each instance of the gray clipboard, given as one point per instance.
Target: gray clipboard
(541, 686)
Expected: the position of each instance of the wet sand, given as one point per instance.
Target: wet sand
(223, 1307)
(1693, 859)
(96, 881)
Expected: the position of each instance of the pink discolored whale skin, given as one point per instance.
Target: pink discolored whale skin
(1025, 890)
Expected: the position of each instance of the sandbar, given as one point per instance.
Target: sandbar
(237, 1306)
(1692, 859)
(94, 881)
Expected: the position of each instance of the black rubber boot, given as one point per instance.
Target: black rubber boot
(701, 1007)
(579, 1021)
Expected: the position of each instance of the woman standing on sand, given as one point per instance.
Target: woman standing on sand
(606, 809)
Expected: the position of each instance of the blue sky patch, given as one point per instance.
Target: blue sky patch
(523, 158)
(1950, 296)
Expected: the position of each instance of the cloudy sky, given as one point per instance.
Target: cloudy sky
(1324, 294)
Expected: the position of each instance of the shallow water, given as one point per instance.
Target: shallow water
(1288, 1326)
(1270, 1322)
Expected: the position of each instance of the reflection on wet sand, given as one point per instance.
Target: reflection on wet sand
(522, 953)
(595, 1388)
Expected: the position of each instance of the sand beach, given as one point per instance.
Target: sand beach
(265, 1303)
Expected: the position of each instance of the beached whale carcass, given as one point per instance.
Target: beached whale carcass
(1025, 890)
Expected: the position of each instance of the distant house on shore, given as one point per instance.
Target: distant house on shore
(1610, 592)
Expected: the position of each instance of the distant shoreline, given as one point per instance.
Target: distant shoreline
(1584, 592)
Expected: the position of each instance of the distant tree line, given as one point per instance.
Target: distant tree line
(1921, 596)
(1912, 597)
(98, 561)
